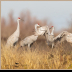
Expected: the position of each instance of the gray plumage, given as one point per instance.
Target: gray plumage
(50, 36)
(58, 39)
(41, 30)
(28, 40)
(12, 40)
(63, 36)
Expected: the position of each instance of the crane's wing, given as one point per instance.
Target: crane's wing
(69, 37)
(41, 30)
(47, 32)
(61, 37)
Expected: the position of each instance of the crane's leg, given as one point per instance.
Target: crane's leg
(52, 45)
(29, 46)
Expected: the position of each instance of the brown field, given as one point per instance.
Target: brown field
(40, 56)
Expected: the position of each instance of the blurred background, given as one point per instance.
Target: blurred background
(56, 13)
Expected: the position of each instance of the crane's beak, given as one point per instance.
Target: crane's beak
(40, 25)
(22, 19)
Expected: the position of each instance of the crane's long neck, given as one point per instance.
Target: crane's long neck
(52, 33)
(36, 28)
(18, 29)
(48, 31)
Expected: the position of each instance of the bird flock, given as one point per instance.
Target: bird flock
(39, 31)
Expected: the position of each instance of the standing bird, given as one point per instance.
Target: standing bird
(63, 36)
(30, 39)
(12, 40)
(50, 37)
(40, 30)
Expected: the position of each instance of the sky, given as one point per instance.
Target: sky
(57, 12)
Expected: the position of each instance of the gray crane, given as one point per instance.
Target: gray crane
(13, 39)
(51, 40)
(50, 36)
(28, 41)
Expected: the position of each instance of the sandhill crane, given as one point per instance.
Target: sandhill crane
(63, 36)
(58, 39)
(40, 30)
(50, 36)
(28, 40)
(12, 40)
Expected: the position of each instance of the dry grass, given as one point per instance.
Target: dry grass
(37, 58)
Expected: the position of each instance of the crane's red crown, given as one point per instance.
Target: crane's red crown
(38, 24)
(18, 17)
(52, 26)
